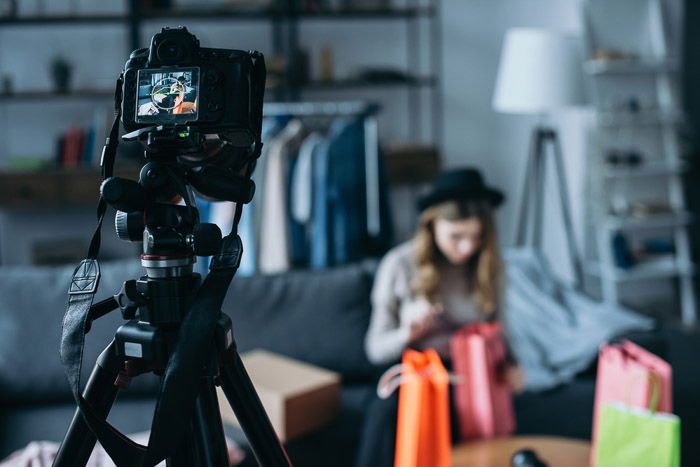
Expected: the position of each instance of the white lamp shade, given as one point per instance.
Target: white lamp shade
(540, 70)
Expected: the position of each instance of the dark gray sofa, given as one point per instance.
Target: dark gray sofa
(316, 316)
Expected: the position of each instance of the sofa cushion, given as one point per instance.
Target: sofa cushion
(566, 410)
(32, 303)
(318, 316)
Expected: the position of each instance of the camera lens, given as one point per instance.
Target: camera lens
(170, 51)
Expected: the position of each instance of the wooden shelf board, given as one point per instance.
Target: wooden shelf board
(658, 221)
(603, 67)
(661, 268)
(54, 188)
(648, 170)
(225, 14)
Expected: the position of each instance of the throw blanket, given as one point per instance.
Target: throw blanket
(555, 330)
(42, 453)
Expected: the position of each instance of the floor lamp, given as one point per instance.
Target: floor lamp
(539, 72)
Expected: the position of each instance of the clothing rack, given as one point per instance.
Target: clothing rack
(368, 111)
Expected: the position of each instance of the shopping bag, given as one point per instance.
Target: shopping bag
(483, 400)
(423, 426)
(631, 436)
(625, 375)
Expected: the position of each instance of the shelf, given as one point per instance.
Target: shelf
(660, 268)
(646, 118)
(344, 14)
(654, 169)
(63, 19)
(382, 13)
(658, 221)
(54, 188)
(93, 94)
(612, 67)
(89, 94)
(226, 14)
(428, 81)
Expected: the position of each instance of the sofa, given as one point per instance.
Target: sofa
(315, 316)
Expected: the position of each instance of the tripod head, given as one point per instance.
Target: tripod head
(160, 209)
(148, 212)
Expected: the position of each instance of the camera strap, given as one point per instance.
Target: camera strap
(258, 90)
(86, 276)
(179, 389)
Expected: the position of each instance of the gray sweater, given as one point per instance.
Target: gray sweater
(394, 307)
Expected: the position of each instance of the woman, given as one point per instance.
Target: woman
(448, 275)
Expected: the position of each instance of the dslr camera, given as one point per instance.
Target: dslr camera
(185, 91)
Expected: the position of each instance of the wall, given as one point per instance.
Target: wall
(498, 143)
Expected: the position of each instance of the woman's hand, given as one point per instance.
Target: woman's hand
(424, 320)
(515, 378)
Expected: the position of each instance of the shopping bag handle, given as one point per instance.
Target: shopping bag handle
(393, 377)
(656, 387)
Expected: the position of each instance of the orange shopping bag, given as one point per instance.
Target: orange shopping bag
(484, 402)
(423, 428)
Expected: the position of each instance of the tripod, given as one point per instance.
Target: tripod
(534, 185)
(159, 307)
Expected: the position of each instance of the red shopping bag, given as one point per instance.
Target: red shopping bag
(483, 399)
(630, 375)
(423, 425)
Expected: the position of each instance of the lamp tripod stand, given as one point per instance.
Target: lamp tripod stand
(534, 185)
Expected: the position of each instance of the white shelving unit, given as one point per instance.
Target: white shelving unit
(634, 82)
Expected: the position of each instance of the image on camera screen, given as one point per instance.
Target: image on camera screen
(167, 95)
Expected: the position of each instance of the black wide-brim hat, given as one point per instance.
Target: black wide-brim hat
(457, 185)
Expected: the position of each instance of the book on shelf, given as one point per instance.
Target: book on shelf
(81, 145)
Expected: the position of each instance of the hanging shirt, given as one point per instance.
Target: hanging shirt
(249, 224)
(302, 179)
(347, 192)
(300, 199)
(320, 229)
(339, 227)
(274, 238)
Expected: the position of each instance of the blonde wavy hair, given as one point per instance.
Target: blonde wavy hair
(484, 270)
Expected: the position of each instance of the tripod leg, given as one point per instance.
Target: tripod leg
(566, 211)
(250, 413)
(184, 455)
(527, 188)
(100, 392)
(539, 181)
(209, 435)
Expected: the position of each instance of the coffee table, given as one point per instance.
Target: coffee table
(554, 451)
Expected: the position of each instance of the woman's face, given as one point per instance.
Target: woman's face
(458, 240)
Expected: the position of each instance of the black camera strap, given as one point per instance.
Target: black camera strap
(258, 95)
(86, 276)
(179, 389)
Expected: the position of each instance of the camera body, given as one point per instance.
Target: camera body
(177, 83)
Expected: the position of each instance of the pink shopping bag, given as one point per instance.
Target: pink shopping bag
(629, 374)
(483, 399)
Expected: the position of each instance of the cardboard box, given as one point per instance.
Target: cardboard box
(298, 397)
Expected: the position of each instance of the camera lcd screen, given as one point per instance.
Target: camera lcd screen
(167, 95)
